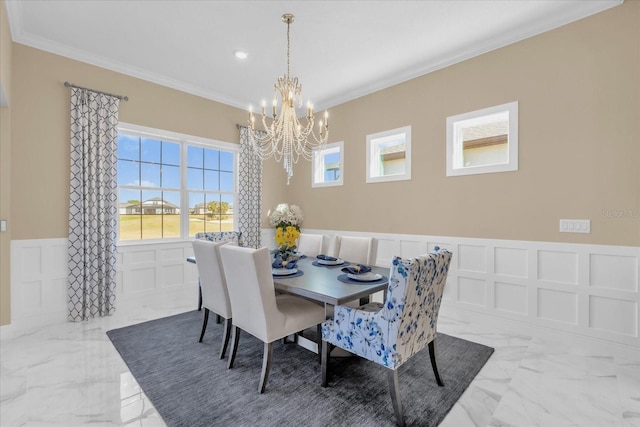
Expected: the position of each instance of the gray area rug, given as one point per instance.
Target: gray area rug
(190, 386)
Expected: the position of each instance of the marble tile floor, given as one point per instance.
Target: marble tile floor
(69, 374)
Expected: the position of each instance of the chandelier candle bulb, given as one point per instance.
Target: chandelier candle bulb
(264, 104)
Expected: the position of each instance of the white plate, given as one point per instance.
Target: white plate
(325, 262)
(283, 271)
(365, 277)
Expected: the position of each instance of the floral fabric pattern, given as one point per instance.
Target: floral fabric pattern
(390, 334)
(221, 236)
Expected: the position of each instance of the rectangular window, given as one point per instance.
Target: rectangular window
(326, 170)
(389, 155)
(172, 186)
(483, 141)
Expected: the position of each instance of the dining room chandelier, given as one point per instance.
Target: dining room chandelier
(284, 136)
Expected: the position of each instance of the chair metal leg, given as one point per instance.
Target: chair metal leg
(218, 319)
(225, 339)
(199, 295)
(432, 355)
(394, 389)
(266, 366)
(324, 363)
(204, 323)
(235, 336)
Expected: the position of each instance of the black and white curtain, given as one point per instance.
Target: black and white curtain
(249, 192)
(93, 204)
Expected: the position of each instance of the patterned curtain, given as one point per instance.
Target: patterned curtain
(249, 192)
(93, 204)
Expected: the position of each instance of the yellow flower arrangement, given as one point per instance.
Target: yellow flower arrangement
(286, 238)
(287, 219)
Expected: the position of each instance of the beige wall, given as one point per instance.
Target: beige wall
(578, 89)
(39, 178)
(5, 166)
(40, 149)
(579, 94)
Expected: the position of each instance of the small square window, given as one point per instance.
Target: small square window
(326, 170)
(389, 155)
(483, 141)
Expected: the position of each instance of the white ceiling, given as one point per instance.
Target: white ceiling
(340, 50)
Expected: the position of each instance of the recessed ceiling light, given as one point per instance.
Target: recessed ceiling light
(240, 54)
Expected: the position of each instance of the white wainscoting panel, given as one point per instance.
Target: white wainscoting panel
(511, 262)
(556, 266)
(472, 291)
(613, 315)
(558, 306)
(614, 272)
(472, 258)
(38, 281)
(510, 298)
(584, 290)
(39, 277)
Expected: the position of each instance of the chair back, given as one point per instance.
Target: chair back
(251, 290)
(221, 236)
(413, 302)
(355, 249)
(311, 244)
(215, 296)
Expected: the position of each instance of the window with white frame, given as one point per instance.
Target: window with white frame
(389, 155)
(326, 169)
(483, 141)
(172, 185)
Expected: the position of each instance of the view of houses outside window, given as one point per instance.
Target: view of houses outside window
(172, 189)
(326, 169)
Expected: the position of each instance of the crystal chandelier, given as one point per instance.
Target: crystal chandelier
(285, 137)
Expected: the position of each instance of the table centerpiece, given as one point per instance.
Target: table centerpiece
(287, 220)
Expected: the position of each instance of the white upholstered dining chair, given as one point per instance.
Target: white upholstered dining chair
(312, 244)
(390, 334)
(218, 236)
(213, 286)
(361, 250)
(256, 307)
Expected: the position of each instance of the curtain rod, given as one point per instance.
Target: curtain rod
(67, 84)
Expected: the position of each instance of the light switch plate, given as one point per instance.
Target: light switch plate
(575, 226)
(3, 225)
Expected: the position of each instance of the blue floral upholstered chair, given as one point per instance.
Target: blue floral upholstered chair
(391, 333)
(217, 236)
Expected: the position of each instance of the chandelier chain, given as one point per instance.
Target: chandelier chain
(288, 49)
